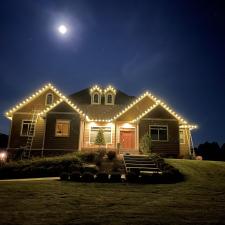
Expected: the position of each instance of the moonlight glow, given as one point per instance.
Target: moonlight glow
(62, 29)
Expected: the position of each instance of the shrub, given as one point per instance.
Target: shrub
(115, 177)
(89, 168)
(88, 177)
(102, 177)
(146, 178)
(64, 176)
(74, 168)
(111, 155)
(101, 153)
(88, 157)
(132, 177)
(117, 166)
(75, 176)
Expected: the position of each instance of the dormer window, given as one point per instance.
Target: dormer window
(49, 99)
(110, 93)
(109, 99)
(96, 98)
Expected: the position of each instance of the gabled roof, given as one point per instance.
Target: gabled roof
(80, 102)
(32, 97)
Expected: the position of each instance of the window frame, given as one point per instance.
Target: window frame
(46, 98)
(92, 143)
(93, 99)
(167, 132)
(65, 121)
(182, 130)
(106, 98)
(21, 128)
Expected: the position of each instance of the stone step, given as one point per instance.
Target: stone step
(139, 164)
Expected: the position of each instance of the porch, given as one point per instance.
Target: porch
(121, 137)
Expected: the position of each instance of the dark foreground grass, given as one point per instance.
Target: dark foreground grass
(198, 200)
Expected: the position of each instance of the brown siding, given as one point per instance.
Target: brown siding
(184, 148)
(137, 109)
(87, 127)
(159, 116)
(16, 141)
(63, 143)
(38, 103)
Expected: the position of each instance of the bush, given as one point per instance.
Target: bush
(115, 177)
(117, 166)
(101, 153)
(111, 155)
(88, 157)
(75, 176)
(102, 177)
(89, 168)
(132, 177)
(88, 177)
(74, 168)
(64, 176)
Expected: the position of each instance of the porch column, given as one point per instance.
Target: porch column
(81, 135)
(137, 136)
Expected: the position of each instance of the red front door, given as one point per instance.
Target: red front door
(127, 139)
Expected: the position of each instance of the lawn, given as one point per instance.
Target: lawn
(198, 200)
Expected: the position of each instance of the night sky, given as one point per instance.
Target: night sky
(175, 49)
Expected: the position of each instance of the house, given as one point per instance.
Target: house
(50, 123)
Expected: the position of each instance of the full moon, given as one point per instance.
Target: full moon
(62, 29)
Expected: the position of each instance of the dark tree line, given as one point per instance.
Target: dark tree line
(211, 151)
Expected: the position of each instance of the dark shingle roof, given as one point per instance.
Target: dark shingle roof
(102, 111)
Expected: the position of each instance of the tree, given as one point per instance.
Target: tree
(209, 151)
(145, 144)
(100, 139)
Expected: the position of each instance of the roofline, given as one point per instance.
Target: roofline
(9, 113)
(151, 96)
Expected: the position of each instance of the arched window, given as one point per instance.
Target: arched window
(49, 99)
(109, 99)
(96, 98)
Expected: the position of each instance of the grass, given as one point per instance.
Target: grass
(198, 200)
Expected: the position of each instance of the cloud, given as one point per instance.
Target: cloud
(138, 66)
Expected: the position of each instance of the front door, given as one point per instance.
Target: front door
(127, 139)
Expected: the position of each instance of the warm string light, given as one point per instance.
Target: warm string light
(110, 89)
(97, 88)
(189, 126)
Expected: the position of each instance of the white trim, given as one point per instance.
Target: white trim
(158, 125)
(65, 121)
(92, 143)
(106, 98)
(92, 98)
(21, 128)
(46, 97)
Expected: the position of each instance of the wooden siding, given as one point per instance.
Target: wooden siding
(16, 141)
(62, 143)
(137, 109)
(86, 134)
(159, 116)
(38, 103)
(184, 148)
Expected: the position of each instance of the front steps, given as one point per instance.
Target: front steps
(140, 164)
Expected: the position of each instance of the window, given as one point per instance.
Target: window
(49, 99)
(109, 99)
(159, 133)
(182, 137)
(62, 128)
(106, 131)
(27, 128)
(96, 98)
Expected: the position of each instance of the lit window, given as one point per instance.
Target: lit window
(49, 99)
(182, 137)
(27, 128)
(159, 133)
(62, 128)
(107, 134)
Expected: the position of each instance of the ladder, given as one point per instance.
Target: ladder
(190, 143)
(30, 135)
